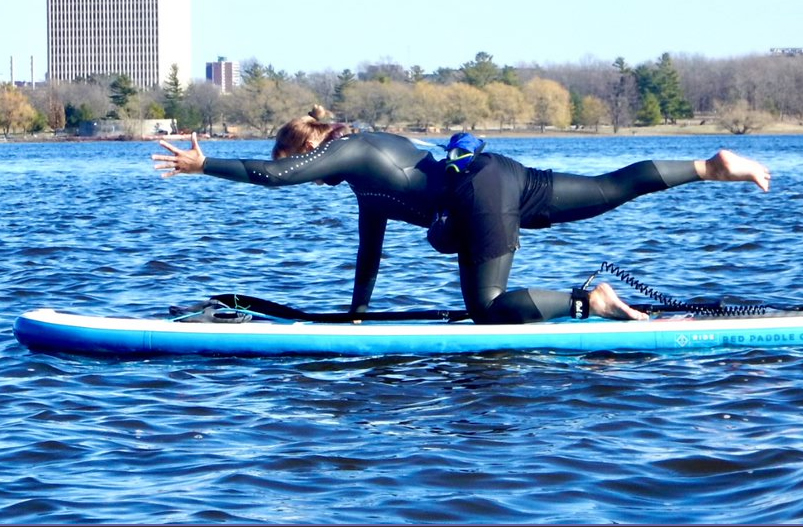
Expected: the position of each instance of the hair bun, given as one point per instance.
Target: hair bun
(318, 112)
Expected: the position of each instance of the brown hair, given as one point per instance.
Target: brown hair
(292, 136)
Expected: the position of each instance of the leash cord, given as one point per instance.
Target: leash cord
(719, 309)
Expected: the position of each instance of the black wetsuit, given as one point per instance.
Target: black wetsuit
(394, 180)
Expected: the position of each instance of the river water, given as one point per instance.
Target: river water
(506, 437)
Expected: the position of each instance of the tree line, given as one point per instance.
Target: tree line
(742, 94)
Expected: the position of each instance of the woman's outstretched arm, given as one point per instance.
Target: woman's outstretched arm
(319, 164)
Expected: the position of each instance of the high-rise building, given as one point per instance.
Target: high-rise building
(223, 73)
(138, 38)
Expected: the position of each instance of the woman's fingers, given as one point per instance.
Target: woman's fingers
(194, 142)
(168, 146)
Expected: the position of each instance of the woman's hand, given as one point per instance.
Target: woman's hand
(604, 302)
(182, 161)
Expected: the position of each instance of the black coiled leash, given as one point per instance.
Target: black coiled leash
(716, 309)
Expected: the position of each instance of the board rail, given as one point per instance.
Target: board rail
(53, 330)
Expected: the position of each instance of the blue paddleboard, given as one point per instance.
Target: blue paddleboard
(52, 330)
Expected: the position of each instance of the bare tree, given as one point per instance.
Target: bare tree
(206, 99)
(323, 85)
(589, 77)
(379, 104)
(700, 79)
(738, 118)
(785, 91)
(621, 94)
(93, 96)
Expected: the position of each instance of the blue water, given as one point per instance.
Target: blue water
(492, 438)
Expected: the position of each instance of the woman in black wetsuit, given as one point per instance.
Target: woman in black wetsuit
(489, 202)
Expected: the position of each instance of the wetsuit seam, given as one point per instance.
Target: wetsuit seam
(304, 159)
(418, 212)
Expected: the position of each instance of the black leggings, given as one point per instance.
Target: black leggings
(484, 285)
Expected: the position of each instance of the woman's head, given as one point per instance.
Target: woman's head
(305, 133)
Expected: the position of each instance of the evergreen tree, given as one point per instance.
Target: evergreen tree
(122, 90)
(509, 76)
(173, 94)
(645, 80)
(481, 71)
(276, 76)
(345, 80)
(577, 107)
(74, 115)
(253, 72)
(669, 92)
(650, 112)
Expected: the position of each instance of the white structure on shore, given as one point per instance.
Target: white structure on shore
(138, 38)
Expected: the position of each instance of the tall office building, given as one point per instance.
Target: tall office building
(223, 73)
(139, 38)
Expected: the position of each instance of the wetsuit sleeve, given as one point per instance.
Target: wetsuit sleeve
(325, 162)
(231, 169)
(372, 234)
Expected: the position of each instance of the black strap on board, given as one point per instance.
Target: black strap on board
(275, 310)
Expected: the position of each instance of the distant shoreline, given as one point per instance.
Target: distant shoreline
(680, 129)
(684, 129)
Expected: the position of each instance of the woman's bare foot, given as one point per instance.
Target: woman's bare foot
(604, 302)
(727, 166)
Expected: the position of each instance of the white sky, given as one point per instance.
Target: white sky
(319, 35)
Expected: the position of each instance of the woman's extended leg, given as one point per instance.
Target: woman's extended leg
(580, 197)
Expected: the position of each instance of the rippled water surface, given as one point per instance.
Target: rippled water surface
(506, 437)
